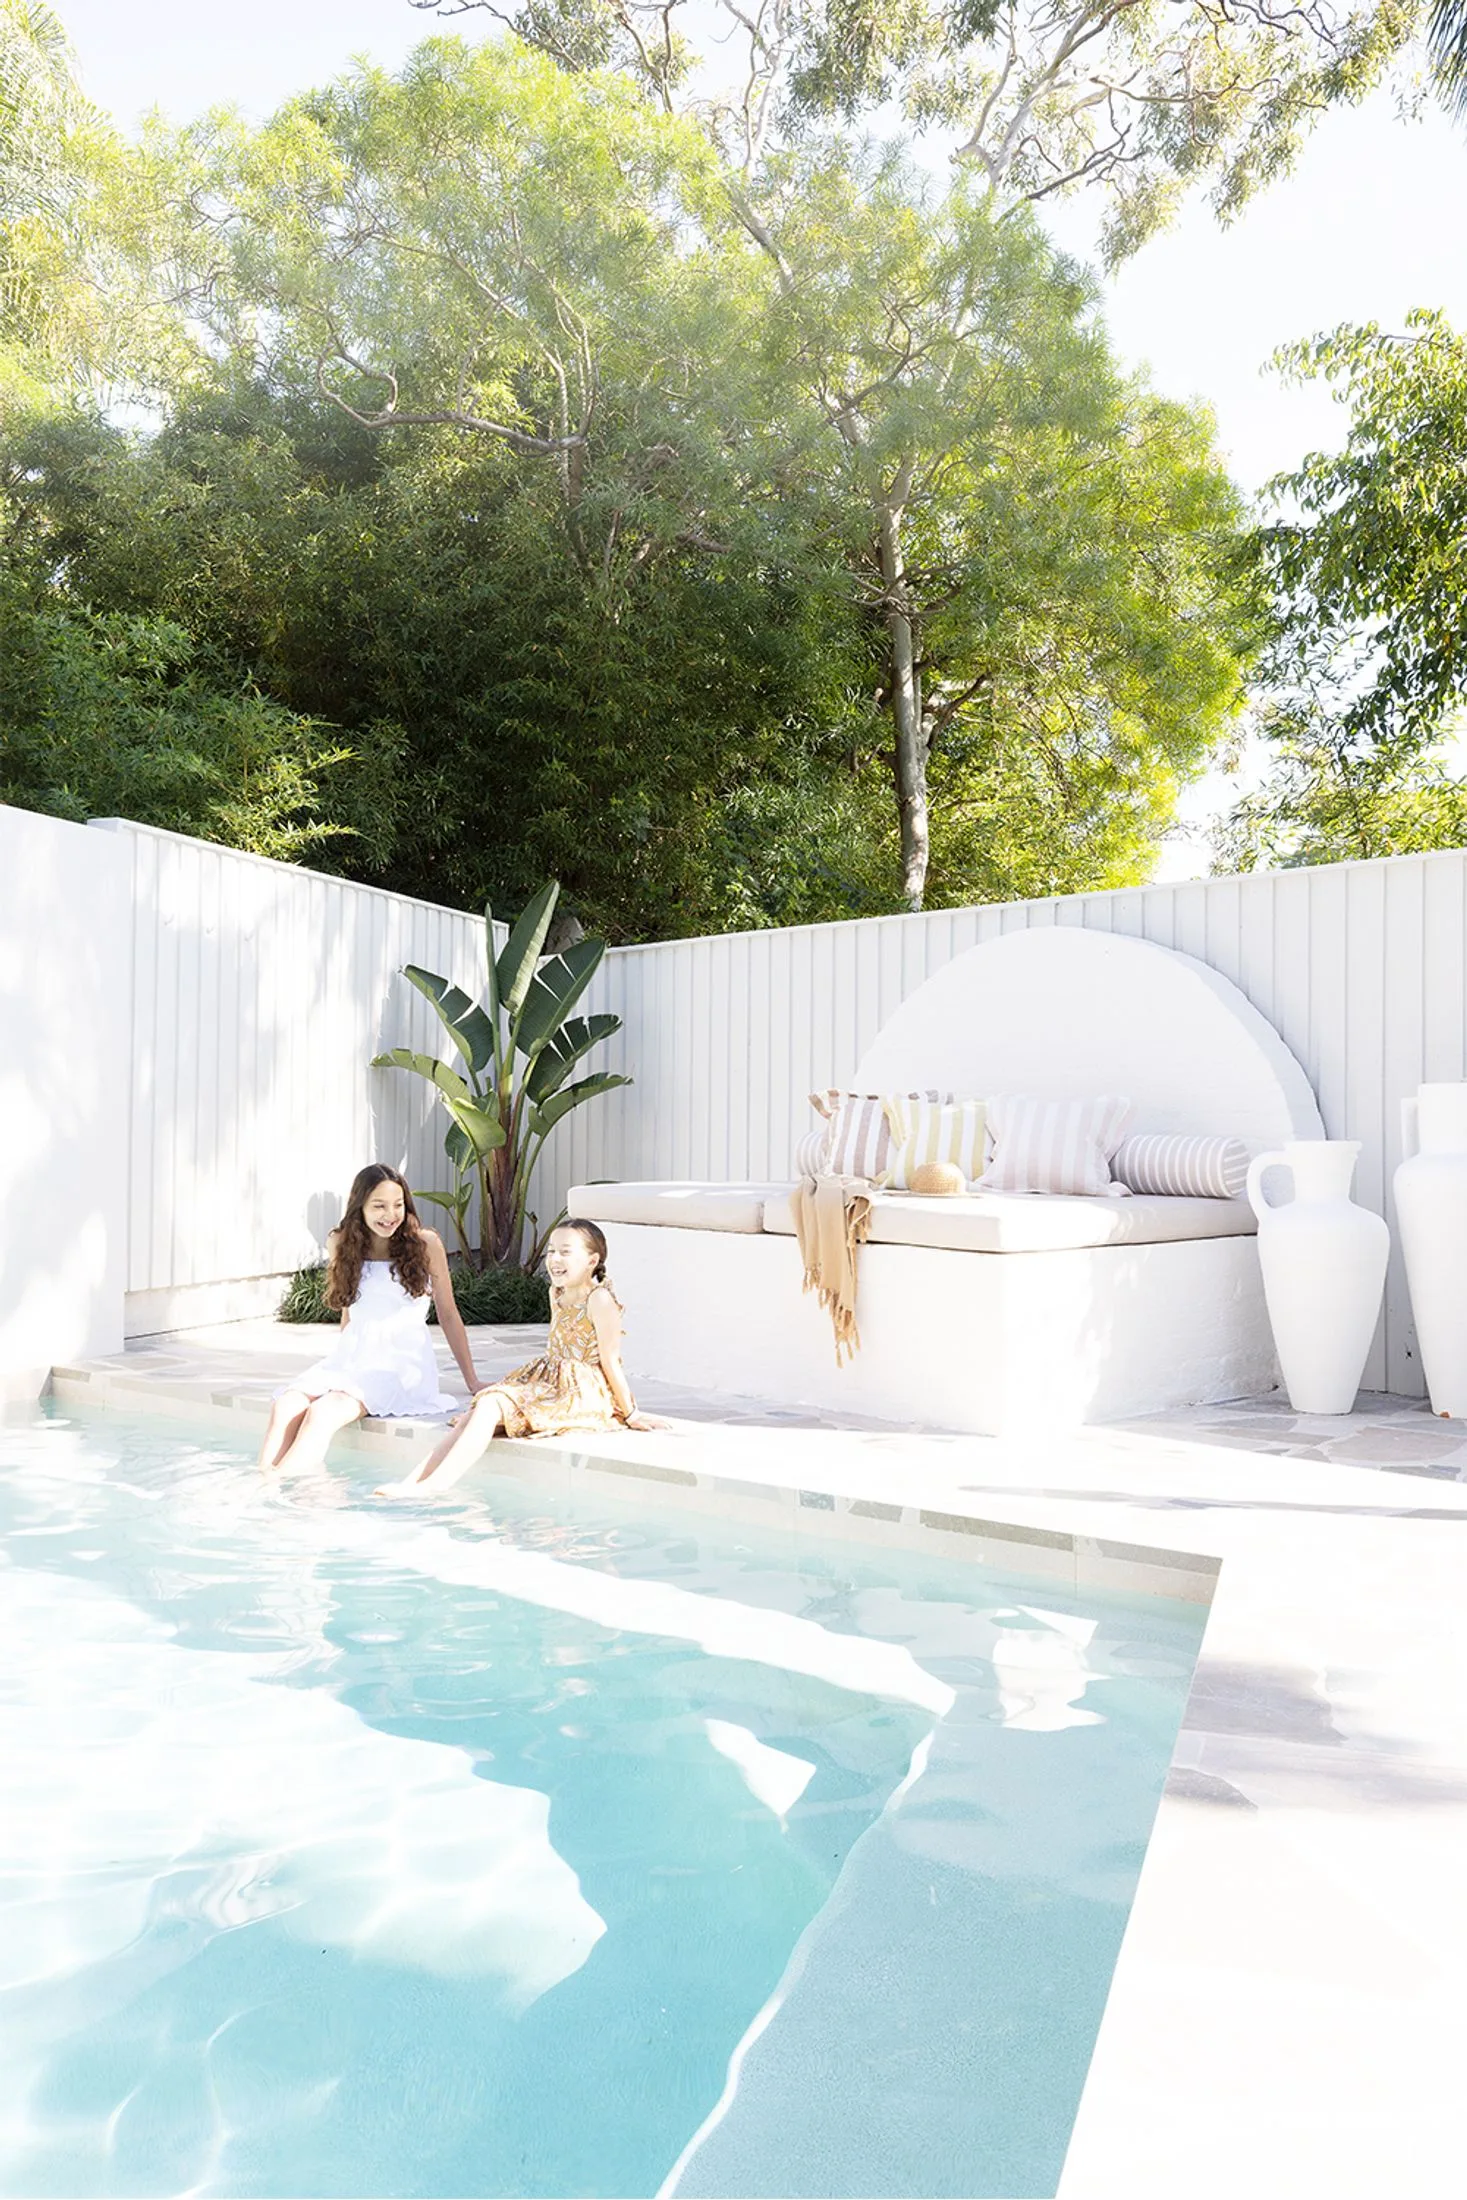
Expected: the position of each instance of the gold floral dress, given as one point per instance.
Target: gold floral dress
(566, 1387)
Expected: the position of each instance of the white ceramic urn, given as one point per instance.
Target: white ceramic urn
(1431, 1214)
(1324, 1263)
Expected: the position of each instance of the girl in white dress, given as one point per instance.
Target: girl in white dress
(384, 1270)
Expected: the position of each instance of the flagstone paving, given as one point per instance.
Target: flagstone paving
(1287, 2016)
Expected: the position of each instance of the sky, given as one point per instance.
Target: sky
(1367, 226)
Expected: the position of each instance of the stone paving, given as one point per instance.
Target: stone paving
(1287, 2017)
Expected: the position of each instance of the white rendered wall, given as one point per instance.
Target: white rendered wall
(64, 981)
(262, 991)
(1361, 967)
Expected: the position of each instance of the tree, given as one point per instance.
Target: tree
(739, 404)
(104, 715)
(1039, 98)
(418, 594)
(1042, 547)
(1366, 668)
(1319, 806)
(40, 110)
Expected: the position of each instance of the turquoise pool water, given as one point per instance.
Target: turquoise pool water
(353, 1848)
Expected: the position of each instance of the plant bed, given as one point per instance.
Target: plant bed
(483, 1295)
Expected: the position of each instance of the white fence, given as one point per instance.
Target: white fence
(260, 992)
(64, 990)
(1360, 967)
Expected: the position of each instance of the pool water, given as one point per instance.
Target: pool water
(495, 1848)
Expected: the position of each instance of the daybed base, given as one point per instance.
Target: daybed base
(984, 1343)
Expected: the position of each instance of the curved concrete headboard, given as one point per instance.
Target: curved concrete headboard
(1064, 1014)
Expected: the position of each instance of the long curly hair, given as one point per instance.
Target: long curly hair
(351, 1243)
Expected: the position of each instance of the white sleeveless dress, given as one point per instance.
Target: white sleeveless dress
(383, 1355)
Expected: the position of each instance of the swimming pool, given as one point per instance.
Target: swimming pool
(491, 1848)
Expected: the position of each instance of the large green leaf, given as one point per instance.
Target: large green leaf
(563, 1049)
(466, 1024)
(558, 985)
(479, 1124)
(523, 948)
(448, 1081)
(561, 1103)
(459, 1147)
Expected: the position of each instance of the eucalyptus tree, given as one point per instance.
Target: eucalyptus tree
(1137, 99)
(1044, 549)
(1132, 101)
(485, 247)
(850, 392)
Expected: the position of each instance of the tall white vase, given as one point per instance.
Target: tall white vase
(1324, 1264)
(1431, 1213)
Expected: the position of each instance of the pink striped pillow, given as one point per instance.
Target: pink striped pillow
(1053, 1145)
(860, 1136)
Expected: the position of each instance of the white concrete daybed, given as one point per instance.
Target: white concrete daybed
(996, 1311)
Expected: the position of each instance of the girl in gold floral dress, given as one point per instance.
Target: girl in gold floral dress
(577, 1383)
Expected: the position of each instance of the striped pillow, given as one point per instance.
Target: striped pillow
(811, 1151)
(928, 1130)
(1053, 1145)
(1183, 1167)
(860, 1137)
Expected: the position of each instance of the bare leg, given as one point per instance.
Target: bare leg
(286, 1414)
(460, 1448)
(323, 1418)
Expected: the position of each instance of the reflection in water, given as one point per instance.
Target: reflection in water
(346, 1837)
(1042, 1670)
(774, 1777)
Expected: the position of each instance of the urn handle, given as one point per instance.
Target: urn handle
(1410, 1128)
(1254, 1188)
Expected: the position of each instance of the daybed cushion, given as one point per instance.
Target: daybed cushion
(1053, 1146)
(1027, 1222)
(686, 1206)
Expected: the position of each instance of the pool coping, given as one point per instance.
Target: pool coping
(1286, 2004)
(815, 1506)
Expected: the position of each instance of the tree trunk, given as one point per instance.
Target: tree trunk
(909, 746)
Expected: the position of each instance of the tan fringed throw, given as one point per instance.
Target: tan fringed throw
(832, 1217)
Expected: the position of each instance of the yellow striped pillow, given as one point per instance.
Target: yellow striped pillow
(931, 1130)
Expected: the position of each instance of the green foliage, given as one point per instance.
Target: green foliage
(1370, 579)
(305, 1297)
(1319, 805)
(425, 601)
(542, 471)
(1133, 104)
(500, 1295)
(518, 1049)
(482, 1295)
(1366, 671)
(112, 714)
(1447, 40)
